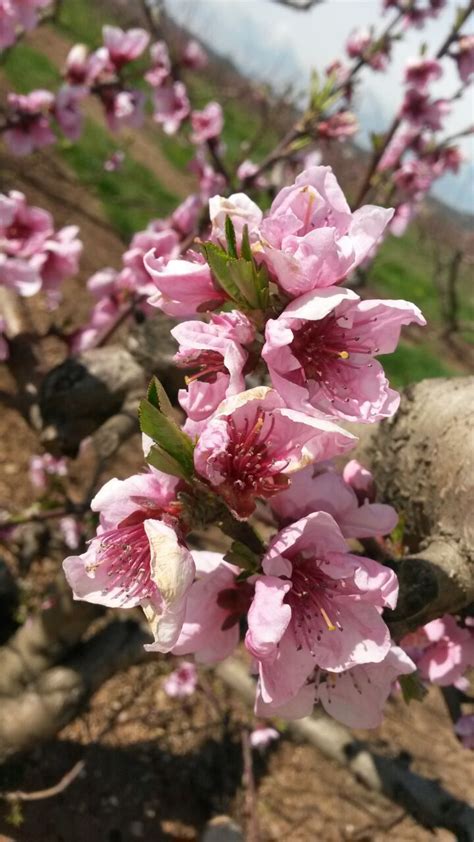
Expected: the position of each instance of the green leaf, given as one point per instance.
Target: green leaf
(245, 248)
(230, 237)
(157, 396)
(162, 461)
(412, 688)
(219, 263)
(167, 435)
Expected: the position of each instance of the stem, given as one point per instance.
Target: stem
(239, 530)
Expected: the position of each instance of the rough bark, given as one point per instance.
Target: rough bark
(60, 692)
(43, 641)
(97, 392)
(422, 460)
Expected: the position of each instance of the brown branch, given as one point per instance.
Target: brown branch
(47, 705)
(41, 794)
(422, 464)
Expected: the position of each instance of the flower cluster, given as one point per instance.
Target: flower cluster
(278, 353)
(30, 118)
(18, 16)
(33, 256)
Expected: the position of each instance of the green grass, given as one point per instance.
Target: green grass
(131, 197)
(28, 69)
(404, 267)
(83, 21)
(411, 363)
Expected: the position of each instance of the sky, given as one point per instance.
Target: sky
(277, 44)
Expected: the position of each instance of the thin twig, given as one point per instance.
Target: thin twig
(377, 154)
(40, 794)
(248, 781)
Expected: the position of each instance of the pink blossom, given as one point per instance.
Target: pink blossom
(19, 275)
(67, 111)
(194, 56)
(358, 41)
(184, 288)
(464, 729)
(4, 349)
(339, 126)
(216, 603)
(404, 213)
(261, 737)
(59, 258)
(8, 24)
(423, 112)
(464, 57)
(210, 181)
(104, 282)
(207, 124)
(123, 108)
(185, 217)
(160, 64)
(29, 116)
(18, 13)
(311, 239)
(247, 171)
(355, 697)
(444, 159)
(124, 46)
(216, 352)
(83, 68)
(361, 481)
(103, 314)
(443, 650)
(24, 229)
(320, 350)
(420, 72)
(401, 141)
(45, 466)
(254, 442)
(134, 276)
(361, 45)
(314, 490)
(414, 177)
(181, 682)
(242, 211)
(137, 556)
(171, 106)
(71, 531)
(316, 605)
(340, 73)
(115, 161)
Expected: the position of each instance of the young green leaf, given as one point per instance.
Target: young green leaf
(162, 461)
(230, 237)
(167, 435)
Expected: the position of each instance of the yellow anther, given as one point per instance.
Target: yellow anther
(344, 355)
(330, 625)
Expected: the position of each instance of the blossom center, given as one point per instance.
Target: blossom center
(208, 365)
(124, 554)
(312, 601)
(249, 466)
